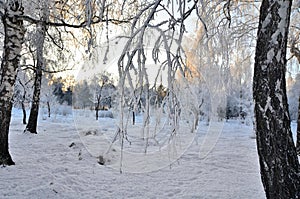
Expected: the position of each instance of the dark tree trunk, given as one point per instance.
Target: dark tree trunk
(23, 101)
(196, 120)
(97, 112)
(277, 153)
(133, 118)
(34, 111)
(298, 129)
(49, 109)
(24, 113)
(97, 107)
(14, 34)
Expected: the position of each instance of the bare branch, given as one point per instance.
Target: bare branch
(62, 23)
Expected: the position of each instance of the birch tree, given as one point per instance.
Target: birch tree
(22, 95)
(101, 86)
(84, 16)
(277, 154)
(47, 96)
(39, 42)
(13, 38)
(12, 15)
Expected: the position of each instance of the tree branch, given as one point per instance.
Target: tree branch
(62, 23)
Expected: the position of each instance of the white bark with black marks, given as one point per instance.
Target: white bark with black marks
(14, 35)
(277, 153)
(40, 40)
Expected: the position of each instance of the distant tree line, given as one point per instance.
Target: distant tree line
(62, 92)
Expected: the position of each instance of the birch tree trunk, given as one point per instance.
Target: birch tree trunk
(14, 34)
(98, 102)
(277, 153)
(23, 101)
(40, 39)
(49, 109)
(24, 112)
(34, 111)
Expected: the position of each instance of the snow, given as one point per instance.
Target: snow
(58, 163)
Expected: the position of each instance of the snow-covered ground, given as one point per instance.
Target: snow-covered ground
(58, 163)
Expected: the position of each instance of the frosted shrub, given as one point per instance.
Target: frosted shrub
(221, 113)
(65, 110)
(107, 113)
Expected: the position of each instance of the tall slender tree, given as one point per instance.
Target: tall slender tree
(14, 34)
(12, 16)
(55, 15)
(277, 153)
(22, 92)
(40, 39)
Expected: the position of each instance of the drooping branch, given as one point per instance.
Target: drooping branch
(63, 23)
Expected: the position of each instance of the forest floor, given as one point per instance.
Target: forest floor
(56, 163)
